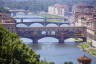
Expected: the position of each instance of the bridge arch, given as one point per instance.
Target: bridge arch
(48, 40)
(26, 40)
(20, 13)
(64, 25)
(52, 25)
(74, 40)
(36, 25)
(43, 32)
(21, 25)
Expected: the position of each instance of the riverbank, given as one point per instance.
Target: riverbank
(87, 47)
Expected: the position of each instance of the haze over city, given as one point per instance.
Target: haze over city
(47, 31)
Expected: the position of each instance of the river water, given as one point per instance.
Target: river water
(50, 50)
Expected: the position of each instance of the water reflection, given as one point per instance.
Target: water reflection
(60, 53)
(48, 40)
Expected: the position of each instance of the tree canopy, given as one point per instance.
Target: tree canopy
(12, 51)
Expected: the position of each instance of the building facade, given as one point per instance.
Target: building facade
(8, 22)
(85, 15)
(58, 9)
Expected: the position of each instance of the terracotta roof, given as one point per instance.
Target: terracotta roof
(2, 14)
(81, 4)
(6, 18)
(61, 5)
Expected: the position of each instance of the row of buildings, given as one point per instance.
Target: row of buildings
(84, 14)
(7, 21)
(66, 10)
(58, 9)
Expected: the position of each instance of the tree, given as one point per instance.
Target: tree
(13, 51)
(68, 62)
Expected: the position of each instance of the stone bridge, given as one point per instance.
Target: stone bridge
(15, 11)
(45, 19)
(44, 23)
(60, 33)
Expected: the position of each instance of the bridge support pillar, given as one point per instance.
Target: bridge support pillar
(85, 39)
(61, 40)
(21, 19)
(13, 13)
(35, 41)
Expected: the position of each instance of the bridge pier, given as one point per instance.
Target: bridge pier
(84, 39)
(61, 40)
(13, 13)
(35, 41)
(22, 20)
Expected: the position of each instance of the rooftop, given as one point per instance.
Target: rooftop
(60, 6)
(6, 18)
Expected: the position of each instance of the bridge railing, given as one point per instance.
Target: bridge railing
(59, 31)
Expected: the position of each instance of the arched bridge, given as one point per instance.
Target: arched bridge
(45, 21)
(15, 11)
(61, 33)
(40, 18)
(58, 24)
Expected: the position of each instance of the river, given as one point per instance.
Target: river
(50, 50)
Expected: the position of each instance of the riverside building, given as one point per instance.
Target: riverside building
(8, 22)
(85, 15)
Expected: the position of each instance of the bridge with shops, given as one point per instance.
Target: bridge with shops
(60, 33)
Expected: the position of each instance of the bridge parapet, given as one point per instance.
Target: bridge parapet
(72, 28)
(57, 32)
(43, 23)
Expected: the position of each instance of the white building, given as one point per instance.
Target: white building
(58, 9)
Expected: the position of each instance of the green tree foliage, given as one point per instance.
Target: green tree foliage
(12, 51)
(68, 62)
(85, 45)
(44, 62)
